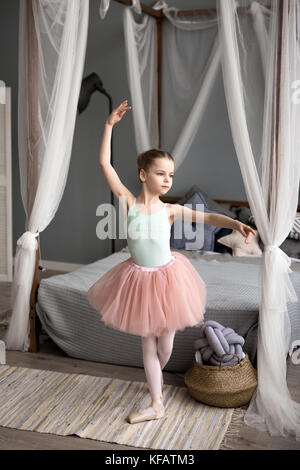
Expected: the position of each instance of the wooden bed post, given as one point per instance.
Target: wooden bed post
(280, 25)
(277, 111)
(32, 164)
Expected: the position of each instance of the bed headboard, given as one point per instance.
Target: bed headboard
(174, 199)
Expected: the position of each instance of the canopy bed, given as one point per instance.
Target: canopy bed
(263, 121)
(233, 285)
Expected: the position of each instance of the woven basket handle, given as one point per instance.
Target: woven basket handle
(228, 354)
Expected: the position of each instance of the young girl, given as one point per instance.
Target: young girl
(155, 292)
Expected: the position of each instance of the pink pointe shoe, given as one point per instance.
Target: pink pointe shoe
(147, 414)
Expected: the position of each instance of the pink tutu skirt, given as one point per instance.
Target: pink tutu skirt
(148, 301)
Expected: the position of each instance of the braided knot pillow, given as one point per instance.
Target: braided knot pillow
(216, 340)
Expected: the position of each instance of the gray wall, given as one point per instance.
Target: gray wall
(71, 236)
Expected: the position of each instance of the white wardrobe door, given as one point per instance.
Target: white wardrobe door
(5, 186)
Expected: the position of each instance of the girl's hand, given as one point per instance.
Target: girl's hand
(117, 114)
(245, 230)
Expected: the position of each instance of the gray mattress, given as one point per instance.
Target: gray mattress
(233, 292)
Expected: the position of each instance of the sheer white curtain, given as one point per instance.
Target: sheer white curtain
(61, 30)
(185, 92)
(105, 4)
(260, 18)
(271, 407)
(141, 63)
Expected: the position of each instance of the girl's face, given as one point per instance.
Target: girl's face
(159, 177)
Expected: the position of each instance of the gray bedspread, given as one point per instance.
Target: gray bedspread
(233, 292)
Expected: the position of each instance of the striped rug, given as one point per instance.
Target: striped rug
(97, 407)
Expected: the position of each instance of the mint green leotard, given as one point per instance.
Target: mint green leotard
(148, 237)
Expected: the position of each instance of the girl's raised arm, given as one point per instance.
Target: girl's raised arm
(110, 174)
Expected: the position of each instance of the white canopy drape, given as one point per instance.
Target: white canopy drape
(61, 30)
(105, 4)
(259, 21)
(271, 407)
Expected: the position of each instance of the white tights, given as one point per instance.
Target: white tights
(156, 354)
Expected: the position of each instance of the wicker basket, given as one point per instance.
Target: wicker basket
(222, 386)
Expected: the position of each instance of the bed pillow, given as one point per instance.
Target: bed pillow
(244, 215)
(204, 238)
(219, 247)
(210, 203)
(236, 241)
(194, 189)
(295, 231)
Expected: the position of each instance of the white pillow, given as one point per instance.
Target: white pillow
(236, 241)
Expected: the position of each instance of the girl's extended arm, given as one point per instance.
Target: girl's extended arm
(218, 220)
(227, 222)
(109, 172)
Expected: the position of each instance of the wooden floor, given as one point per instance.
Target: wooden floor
(51, 357)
